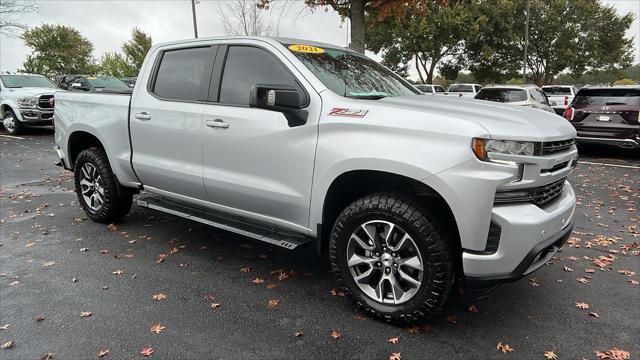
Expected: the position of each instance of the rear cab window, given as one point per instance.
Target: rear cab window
(460, 88)
(557, 90)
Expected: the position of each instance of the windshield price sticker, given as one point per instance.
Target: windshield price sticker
(306, 49)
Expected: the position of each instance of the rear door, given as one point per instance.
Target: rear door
(166, 121)
(256, 164)
(607, 112)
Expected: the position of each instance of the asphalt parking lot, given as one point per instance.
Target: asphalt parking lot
(76, 289)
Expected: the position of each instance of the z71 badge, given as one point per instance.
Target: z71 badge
(357, 113)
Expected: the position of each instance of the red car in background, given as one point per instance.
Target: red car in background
(607, 115)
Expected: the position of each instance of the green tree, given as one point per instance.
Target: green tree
(575, 35)
(128, 63)
(57, 50)
(426, 40)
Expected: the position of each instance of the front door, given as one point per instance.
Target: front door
(166, 122)
(255, 163)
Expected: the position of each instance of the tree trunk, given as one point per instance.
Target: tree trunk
(418, 68)
(356, 15)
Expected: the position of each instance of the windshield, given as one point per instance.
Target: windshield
(502, 95)
(350, 74)
(556, 90)
(109, 83)
(20, 81)
(608, 97)
(460, 88)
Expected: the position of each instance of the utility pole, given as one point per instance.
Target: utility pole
(195, 24)
(526, 43)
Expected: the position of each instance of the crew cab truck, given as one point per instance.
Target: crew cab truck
(25, 100)
(294, 142)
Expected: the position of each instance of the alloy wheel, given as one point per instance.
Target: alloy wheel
(385, 262)
(91, 187)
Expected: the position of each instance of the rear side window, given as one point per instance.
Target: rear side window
(502, 95)
(608, 97)
(182, 72)
(246, 66)
(460, 88)
(557, 90)
(539, 96)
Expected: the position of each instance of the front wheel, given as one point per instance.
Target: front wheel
(96, 187)
(388, 254)
(11, 124)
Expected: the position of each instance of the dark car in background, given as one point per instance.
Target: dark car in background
(91, 83)
(607, 115)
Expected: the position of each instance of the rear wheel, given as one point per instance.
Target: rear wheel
(11, 123)
(389, 256)
(97, 189)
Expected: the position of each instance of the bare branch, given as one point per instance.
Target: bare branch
(10, 10)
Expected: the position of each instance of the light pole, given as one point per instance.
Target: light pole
(526, 43)
(195, 25)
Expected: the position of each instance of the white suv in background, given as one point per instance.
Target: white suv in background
(25, 99)
(464, 90)
(560, 96)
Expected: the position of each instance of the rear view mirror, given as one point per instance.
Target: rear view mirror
(283, 98)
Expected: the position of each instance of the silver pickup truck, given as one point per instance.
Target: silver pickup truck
(293, 142)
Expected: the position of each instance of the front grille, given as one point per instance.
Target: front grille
(43, 102)
(540, 195)
(544, 194)
(553, 147)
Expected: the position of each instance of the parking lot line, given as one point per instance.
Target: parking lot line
(12, 137)
(607, 164)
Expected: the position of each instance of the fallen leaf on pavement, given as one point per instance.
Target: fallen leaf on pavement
(257, 281)
(568, 269)
(40, 318)
(215, 305)
(159, 296)
(395, 356)
(393, 340)
(103, 353)
(84, 249)
(47, 356)
(273, 303)
(473, 308)
(146, 351)
(7, 345)
(550, 355)
(157, 328)
(582, 280)
(613, 354)
(412, 330)
(452, 319)
(118, 272)
(85, 314)
(335, 334)
(593, 314)
(74, 280)
(270, 286)
(49, 263)
(5, 326)
(505, 348)
(581, 305)
(245, 269)
(298, 334)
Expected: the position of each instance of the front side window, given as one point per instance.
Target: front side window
(502, 95)
(26, 81)
(351, 74)
(181, 74)
(246, 66)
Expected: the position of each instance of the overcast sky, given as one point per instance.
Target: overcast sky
(107, 24)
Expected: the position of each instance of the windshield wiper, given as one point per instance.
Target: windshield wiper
(368, 97)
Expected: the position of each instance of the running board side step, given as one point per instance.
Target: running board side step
(283, 238)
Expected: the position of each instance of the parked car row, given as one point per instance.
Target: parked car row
(28, 99)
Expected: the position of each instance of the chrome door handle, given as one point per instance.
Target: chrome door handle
(217, 123)
(142, 116)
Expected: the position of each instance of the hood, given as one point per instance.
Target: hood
(32, 91)
(502, 121)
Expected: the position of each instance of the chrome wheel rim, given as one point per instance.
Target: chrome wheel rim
(385, 262)
(91, 187)
(9, 123)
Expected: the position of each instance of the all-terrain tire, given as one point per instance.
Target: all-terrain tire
(434, 248)
(115, 205)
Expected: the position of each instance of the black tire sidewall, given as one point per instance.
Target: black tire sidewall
(112, 208)
(438, 270)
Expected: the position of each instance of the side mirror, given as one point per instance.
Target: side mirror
(78, 86)
(282, 98)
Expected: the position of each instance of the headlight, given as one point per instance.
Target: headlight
(27, 102)
(482, 147)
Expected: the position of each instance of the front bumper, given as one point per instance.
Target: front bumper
(530, 236)
(37, 116)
